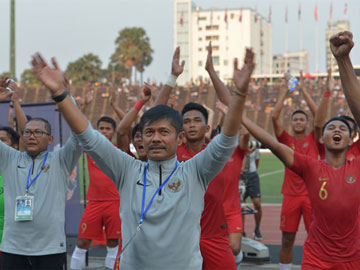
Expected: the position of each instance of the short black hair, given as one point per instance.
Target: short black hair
(46, 123)
(337, 118)
(14, 136)
(108, 120)
(160, 112)
(134, 130)
(350, 119)
(299, 111)
(197, 107)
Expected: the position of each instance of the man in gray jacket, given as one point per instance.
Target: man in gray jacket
(35, 184)
(161, 200)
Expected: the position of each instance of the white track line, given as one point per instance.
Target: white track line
(271, 173)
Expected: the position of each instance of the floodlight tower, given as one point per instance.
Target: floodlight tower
(12, 39)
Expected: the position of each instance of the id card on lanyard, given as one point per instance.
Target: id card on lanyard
(143, 209)
(24, 207)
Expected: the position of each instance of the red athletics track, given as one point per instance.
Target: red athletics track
(270, 226)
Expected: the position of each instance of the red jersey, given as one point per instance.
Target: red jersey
(232, 171)
(293, 184)
(101, 187)
(213, 222)
(334, 195)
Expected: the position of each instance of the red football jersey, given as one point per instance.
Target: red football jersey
(334, 195)
(293, 184)
(101, 187)
(232, 172)
(213, 222)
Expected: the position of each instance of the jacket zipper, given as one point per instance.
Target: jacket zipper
(160, 179)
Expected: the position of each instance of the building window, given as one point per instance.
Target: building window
(202, 18)
(200, 64)
(208, 38)
(215, 48)
(200, 49)
(232, 15)
(216, 60)
(226, 62)
(200, 28)
(212, 27)
(200, 39)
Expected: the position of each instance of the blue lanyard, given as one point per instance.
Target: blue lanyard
(37, 176)
(143, 213)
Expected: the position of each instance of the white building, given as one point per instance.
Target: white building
(230, 31)
(333, 28)
(292, 62)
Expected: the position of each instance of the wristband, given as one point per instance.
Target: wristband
(138, 105)
(326, 94)
(171, 81)
(61, 97)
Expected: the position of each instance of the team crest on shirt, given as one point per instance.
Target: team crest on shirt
(350, 180)
(46, 168)
(306, 144)
(175, 186)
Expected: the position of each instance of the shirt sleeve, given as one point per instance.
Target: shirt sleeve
(7, 156)
(300, 164)
(70, 153)
(209, 162)
(284, 138)
(115, 163)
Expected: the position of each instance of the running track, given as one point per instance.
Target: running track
(270, 226)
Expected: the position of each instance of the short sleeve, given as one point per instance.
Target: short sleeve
(300, 164)
(285, 138)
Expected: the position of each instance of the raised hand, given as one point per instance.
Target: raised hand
(51, 77)
(209, 66)
(242, 77)
(176, 67)
(15, 92)
(146, 91)
(89, 95)
(329, 81)
(341, 44)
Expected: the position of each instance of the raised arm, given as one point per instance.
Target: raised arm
(129, 118)
(119, 112)
(320, 115)
(89, 96)
(278, 125)
(221, 90)
(310, 102)
(244, 138)
(20, 115)
(112, 161)
(283, 152)
(176, 70)
(232, 120)
(341, 45)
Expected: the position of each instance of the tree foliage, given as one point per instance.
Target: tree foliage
(85, 69)
(132, 50)
(29, 77)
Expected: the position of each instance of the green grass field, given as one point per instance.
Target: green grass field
(271, 172)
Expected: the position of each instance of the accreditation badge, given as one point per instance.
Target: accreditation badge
(24, 208)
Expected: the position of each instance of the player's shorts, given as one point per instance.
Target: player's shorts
(98, 214)
(234, 223)
(293, 207)
(312, 262)
(217, 254)
(252, 184)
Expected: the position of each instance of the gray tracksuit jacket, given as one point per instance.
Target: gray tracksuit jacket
(45, 234)
(169, 237)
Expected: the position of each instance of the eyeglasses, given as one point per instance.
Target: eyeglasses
(37, 133)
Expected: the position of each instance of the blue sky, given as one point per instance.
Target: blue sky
(68, 29)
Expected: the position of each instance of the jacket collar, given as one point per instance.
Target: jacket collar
(166, 165)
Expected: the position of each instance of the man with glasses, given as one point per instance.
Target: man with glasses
(34, 183)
